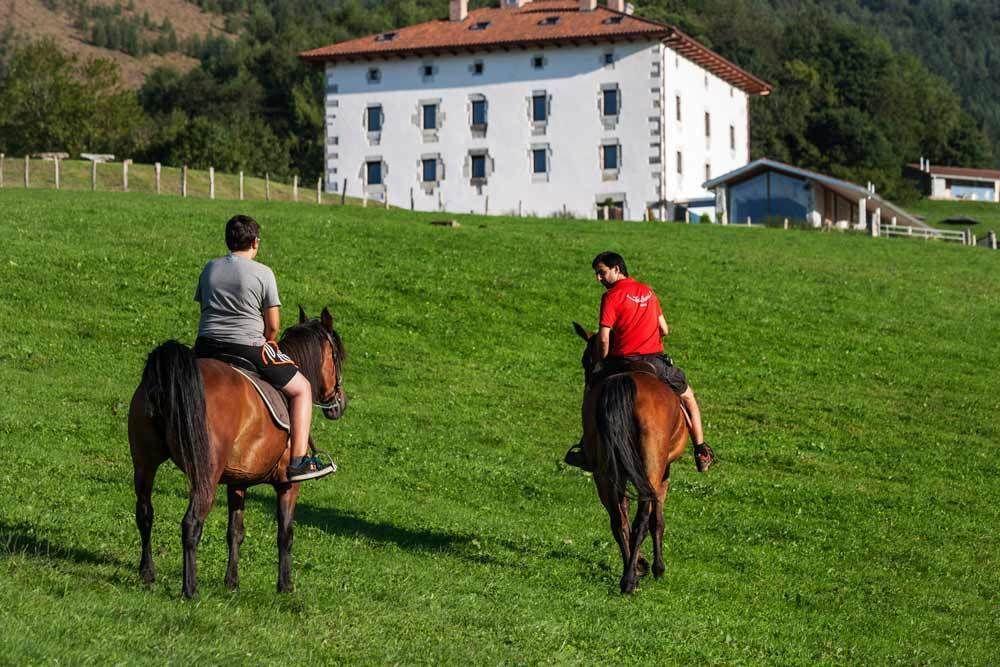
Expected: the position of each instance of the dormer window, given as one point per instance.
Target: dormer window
(549, 20)
(481, 25)
(613, 20)
(385, 37)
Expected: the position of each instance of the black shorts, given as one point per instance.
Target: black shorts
(672, 375)
(274, 365)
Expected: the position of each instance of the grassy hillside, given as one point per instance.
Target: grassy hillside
(852, 519)
(934, 212)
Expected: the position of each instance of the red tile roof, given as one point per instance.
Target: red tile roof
(959, 172)
(525, 27)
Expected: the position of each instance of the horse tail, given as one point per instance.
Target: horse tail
(175, 400)
(619, 433)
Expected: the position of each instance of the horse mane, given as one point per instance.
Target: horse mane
(304, 343)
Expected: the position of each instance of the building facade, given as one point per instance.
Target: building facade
(552, 107)
(955, 183)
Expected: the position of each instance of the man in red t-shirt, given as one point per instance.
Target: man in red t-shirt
(631, 310)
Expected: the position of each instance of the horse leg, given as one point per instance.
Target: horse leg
(288, 494)
(656, 528)
(616, 503)
(143, 476)
(639, 528)
(194, 520)
(236, 497)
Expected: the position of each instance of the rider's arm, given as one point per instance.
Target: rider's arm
(272, 322)
(664, 329)
(604, 341)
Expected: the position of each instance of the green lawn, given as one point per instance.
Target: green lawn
(934, 212)
(849, 386)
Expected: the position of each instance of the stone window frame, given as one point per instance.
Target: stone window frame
(429, 135)
(439, 172)
(610, 121)
(478, 130)
(374, 188)
(488, 167)
(374, 136)
(539, 127)
(615, 173)
(545, 176)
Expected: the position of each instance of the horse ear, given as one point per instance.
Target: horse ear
(581, 332)
(302, 315)
(327, 319)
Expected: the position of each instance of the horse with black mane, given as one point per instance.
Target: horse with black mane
(209, 420)
(633, 428)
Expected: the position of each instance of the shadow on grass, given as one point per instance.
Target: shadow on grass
(23, 539)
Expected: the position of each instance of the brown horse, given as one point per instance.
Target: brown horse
(211, 422)
(633, 429)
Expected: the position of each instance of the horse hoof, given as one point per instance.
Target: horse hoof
(658, 570)
(232, 583)
(642, 567)
(627, 586)
(147, 577)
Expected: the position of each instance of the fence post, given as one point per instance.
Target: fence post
(385, 197)
(211, 182)
(412, 203)
(184, 181)
(241, 186)
(93, 176)
(343, 193)
(973, 244)
(295, 187)
(748, 221)
(157, 168)
(486, 206)
(520, 210)
(319, 190)
(786, 223)
(364, 196)
(27, 170)
(267, 185)
(2, 158)
(992, 236)
(687, 216)
(125, 164)
(56, 163)
(440, 201)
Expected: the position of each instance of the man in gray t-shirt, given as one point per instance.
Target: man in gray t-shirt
(240, 317)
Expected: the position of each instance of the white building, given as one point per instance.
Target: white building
(960, 183)
(547, 107)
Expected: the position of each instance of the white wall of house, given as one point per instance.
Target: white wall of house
(701, 92)
(573, 77)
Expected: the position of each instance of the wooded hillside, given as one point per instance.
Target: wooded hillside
(862, 86)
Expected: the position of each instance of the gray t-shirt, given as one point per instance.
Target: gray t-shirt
(232, 292)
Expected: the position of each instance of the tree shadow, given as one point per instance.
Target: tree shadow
(22, 539)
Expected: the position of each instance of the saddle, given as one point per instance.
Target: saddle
(276, 402)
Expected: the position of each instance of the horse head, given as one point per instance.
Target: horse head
(590, 352)
(319, 352)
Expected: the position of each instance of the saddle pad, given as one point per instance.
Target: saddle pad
(275, 401)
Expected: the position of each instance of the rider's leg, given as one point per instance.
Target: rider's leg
(299, 393)
(694, 412)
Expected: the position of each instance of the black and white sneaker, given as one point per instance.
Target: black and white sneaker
(309, 467)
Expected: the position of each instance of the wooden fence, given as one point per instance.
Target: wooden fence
(964, 237)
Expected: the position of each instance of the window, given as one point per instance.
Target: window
(373, 172)
(609, 155)
(430, 117)
(374, 75)
(429, 170)
(385, 37)
(677, 105)
(539, 161)
(732, 137)
(613, 20)
(373, 119)
(680, 163)
(610, 101)
(609, 58)
(428, 70)
(549, 20)
(708, 124)
(478, 167)
(539, 108)
(481, 25)
(478, 114)
(477, 67)
(538, 62)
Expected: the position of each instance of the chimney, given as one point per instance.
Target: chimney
(458, 10)
(617, 5)
(588, 5)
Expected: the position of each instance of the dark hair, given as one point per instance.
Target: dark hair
(610, 260)
(241, 232)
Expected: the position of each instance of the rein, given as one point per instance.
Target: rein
(329, 404)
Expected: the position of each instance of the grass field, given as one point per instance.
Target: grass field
(849, 386)
(934, 212)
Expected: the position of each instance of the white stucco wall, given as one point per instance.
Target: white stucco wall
(701, 92)
(573, 78)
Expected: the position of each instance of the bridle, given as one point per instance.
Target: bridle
(334, 400)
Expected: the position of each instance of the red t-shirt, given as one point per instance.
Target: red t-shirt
(633, 313)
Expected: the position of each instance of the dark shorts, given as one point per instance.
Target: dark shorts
(672, 375)
(274, 365)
